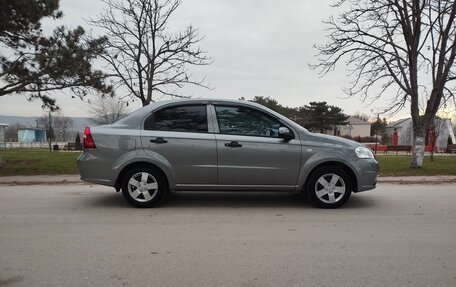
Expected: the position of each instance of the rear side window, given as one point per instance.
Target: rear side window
(179, 118)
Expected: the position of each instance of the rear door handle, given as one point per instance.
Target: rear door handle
(233, 144)
(159, 140)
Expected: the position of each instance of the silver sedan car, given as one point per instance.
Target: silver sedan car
(204, 144)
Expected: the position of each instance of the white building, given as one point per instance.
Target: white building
(355, 128)
(443, 130)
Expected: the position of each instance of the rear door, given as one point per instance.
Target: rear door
(178, 136)
(250, 151)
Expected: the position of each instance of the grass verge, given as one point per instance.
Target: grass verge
(399, 165)
(38, 162)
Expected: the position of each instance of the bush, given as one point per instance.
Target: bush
(78, 138)
(368, 139)
(77, 142)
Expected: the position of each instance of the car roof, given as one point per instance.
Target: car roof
(199, 100)
(156, 105)
(132, 119)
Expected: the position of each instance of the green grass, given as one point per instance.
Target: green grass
(38, 162)
(399, 165)
(41, 161)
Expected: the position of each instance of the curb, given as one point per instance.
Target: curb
(41, 180)
(436, 179)
(54, 182)
(399, 181)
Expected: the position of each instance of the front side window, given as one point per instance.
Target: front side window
(246, 121)
(191, 118)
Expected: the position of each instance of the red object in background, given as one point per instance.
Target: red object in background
(432, 139)
(395, 137)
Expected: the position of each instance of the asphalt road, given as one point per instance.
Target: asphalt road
(81, 235)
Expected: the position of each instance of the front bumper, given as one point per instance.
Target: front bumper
(368, 171)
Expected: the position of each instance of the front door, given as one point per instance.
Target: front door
(250, 151)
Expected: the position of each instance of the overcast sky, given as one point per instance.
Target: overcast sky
(260, 47)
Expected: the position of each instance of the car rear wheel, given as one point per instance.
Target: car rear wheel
(328, 187)
(144, 187)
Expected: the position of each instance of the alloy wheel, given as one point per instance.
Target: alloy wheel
(142, 187)
(330, 188)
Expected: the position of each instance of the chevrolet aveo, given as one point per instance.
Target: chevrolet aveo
(216, 145)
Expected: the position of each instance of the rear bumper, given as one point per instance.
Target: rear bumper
(94, 170)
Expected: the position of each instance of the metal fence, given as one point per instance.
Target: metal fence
(33, 145)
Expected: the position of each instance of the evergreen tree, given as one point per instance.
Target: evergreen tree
(321, 117)
(33, 64)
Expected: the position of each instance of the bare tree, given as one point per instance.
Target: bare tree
(361, 116)
(144, 56)
(106, 110)
(401, 48)
(11, 131)
(60, 126)
(440, 127)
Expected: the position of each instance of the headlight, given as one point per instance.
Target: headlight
(364, 152)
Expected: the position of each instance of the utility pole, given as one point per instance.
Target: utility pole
(50, 129)
(377, 123)
(376, 131)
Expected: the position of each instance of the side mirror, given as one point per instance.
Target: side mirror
(285, 133)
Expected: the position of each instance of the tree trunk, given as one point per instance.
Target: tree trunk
(418, 147)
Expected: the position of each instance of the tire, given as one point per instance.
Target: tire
(144, 187)
(328, 187)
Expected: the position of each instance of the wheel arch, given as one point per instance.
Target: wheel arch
(351, 174)
(118, 183)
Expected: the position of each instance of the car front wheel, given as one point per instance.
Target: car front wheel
(328, 187)
(144, 187)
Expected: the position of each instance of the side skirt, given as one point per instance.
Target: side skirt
(215, 187)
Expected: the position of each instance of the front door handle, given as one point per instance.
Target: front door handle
(159, 140)
(233, 144)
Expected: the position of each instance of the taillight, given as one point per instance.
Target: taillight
(87, 140)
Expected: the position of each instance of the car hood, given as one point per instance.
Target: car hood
(317, 139)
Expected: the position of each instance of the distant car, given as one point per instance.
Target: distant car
(215, 145)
